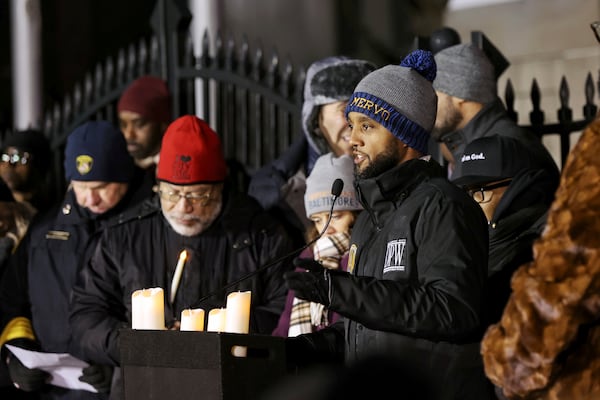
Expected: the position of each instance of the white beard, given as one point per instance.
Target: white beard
(200, 225)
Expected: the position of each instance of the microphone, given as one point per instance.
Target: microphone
(336, 191)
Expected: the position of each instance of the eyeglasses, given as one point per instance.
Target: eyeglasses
(16, 158)
(201, 199)
(484, 194)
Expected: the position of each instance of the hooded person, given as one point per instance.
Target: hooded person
(24, 166)
(279, 186)
(225, 234)
(469, 108)
(99, 170)
(418, 252)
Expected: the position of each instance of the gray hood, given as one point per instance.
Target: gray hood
(328, 80)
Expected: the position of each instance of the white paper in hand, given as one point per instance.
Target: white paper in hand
(64, 368)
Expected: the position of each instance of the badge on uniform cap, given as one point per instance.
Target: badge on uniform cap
(84, 164)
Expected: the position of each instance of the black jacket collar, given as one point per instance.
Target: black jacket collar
(396, 183)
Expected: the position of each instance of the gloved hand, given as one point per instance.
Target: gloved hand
(99, 376)
(300, 351)
(312, 285)
(27, 379)
(323, 347)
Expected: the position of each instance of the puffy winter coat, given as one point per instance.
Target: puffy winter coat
(142, 251)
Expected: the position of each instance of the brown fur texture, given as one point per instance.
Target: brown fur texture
(547, 344)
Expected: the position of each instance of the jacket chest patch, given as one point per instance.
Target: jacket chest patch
(394, 256)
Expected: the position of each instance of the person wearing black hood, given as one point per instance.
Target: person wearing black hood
(515, 194)
(36, 287)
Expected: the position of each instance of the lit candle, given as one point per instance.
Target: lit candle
(148, 309)
(192, 320)
(238, 317)
(216, 320)
(177, 275)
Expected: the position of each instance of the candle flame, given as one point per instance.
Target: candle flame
(182, 255)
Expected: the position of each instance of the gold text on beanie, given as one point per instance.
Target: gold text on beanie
(401, 98)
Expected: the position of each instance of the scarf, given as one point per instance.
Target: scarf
(306, 315)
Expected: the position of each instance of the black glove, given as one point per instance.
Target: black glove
(323, 347)
(300, 352)
(312, 285)
(27, 379)
(99, 376)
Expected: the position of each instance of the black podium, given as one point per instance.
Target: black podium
(198, 365)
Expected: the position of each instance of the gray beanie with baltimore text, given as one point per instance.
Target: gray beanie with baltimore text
(401, 98)
(327, 169)
(464, 71)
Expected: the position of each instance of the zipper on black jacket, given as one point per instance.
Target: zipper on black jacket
(367, 207)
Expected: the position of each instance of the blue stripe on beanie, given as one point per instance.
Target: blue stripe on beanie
(408, 131)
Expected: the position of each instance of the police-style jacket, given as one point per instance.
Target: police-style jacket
(418, 262)
(142, 251)
(36, 288)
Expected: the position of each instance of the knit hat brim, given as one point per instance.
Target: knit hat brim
(401, 99)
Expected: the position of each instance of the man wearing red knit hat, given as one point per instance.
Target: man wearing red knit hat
(144, 113)
(226, 235)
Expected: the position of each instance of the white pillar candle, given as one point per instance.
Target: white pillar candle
(177, 275)
(238, 317)
(238, 312)
(192, 320)
(148, 309)
(216, 320)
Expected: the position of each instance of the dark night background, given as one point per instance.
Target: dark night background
(76, 35)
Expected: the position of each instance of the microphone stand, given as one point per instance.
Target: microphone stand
(336, 190)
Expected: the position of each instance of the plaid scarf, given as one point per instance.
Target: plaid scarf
(306, 315)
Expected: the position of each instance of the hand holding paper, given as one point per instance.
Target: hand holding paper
(64, 369)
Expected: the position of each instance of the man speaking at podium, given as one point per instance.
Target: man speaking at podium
(418, 252)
